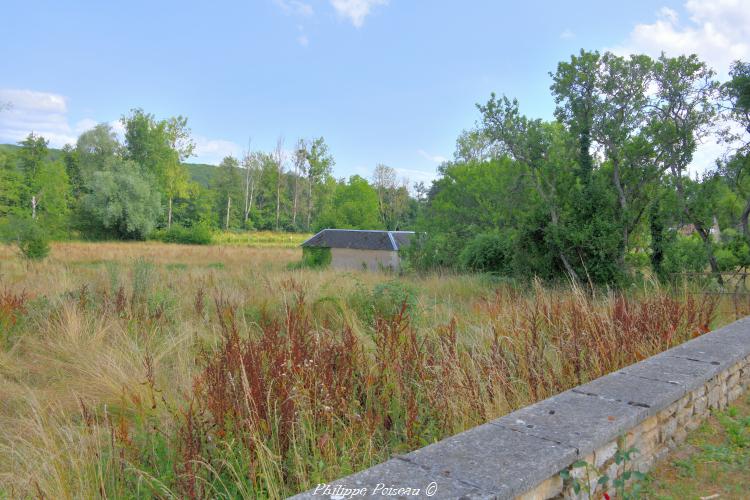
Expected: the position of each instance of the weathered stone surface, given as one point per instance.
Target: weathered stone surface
(688, 373)
(396, 473)
(736, 334)
(707, 350)
(495, 459)
(576, 420)
(650, 394)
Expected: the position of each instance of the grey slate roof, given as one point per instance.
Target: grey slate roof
(360, 239)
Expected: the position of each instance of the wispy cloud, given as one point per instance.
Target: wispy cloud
(356, 10)
(295, 7)
(567, 34)
(433, 158)
(214, 150)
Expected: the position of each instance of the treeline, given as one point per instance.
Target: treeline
(602, 192)
(101, 188)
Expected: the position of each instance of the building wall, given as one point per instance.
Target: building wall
(358, 260)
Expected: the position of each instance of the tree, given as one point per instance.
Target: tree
(603, 100)
(279, 160)
(94, 151)
(544, 152)
(31, 159)
(227, 184)
(160, 147)
(121, 202)
(354, 206)
(11, 187)
(320, 164)
(300, 161)
(685, 109)
(393, 197)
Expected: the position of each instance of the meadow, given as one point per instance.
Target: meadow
(131, 370)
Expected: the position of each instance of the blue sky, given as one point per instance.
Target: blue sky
(384, 81)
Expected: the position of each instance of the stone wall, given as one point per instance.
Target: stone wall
(650, 406)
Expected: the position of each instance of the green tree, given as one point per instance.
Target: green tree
(227, 185)
(121, 202)
(320, 164)
(354, 206)
(160, 147)
(11, 187)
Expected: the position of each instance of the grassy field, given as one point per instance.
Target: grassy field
(713, 463)
(143, 369)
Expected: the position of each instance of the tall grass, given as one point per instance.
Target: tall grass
(145, 370)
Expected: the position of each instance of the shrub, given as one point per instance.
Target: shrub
(31, 239)
(314, 257)
(199, 234)
(385, 300)
(685, 255)
(489, 253)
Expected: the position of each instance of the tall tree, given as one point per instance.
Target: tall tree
(320, 164)
(160, 147)
(279, 157)
(300, 161)
(227, 183)
(685, 108)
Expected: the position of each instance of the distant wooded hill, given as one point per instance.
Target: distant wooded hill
(202, 173)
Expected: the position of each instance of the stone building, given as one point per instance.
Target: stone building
(355, 249)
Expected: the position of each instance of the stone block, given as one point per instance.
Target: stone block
(605, 453)
(550, 488)
(736, 334)
(668, 429)
(495, 459)
(634, 390)
(576, 420)
(688, 373)
(395, 473)
(709, 351)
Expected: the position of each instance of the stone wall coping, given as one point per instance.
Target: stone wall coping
(511, 455)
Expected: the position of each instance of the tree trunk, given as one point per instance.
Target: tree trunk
(278, 199)
(743, 218)
(309, 201)
(247, 192)
(229, 204)
(33, 207)
(169, 215)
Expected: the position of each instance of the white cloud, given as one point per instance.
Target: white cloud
(43, 113)
(567, 34)
(303, 40)
(356, 10)
(718, 31)
(295, 7)
(214, 150)
(433, 158)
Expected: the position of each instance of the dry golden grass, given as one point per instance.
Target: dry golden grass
(103, 368)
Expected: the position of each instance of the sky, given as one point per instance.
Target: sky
(384, 81)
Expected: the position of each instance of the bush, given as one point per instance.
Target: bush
(199, 234)
(385, 301)
(488, 253)
(687, 254)
(29, 236)
(313, 257)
